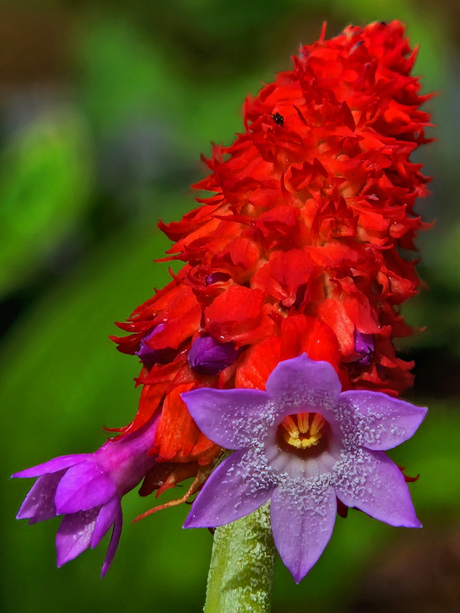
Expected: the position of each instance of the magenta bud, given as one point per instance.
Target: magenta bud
(208, 357)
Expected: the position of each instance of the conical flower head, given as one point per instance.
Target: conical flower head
(275, 339)
(298, 249)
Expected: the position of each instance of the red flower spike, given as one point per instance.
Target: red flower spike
(298, 247)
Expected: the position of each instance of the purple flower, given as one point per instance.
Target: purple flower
(209, 357)
(302, 444)
(87, 489)
(151, 356)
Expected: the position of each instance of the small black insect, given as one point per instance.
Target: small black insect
(278, 119)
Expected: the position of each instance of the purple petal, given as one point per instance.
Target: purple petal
(371, 482)
(209, 357)
(74, 535)
(302, 523)
(114, 540)
(83, 487)
(39, 504)
(107, 516)
(384, 422)
(52, 466)
(236, 488)
(364, 345)
(301, 384)
(229, 418)
(149, 355)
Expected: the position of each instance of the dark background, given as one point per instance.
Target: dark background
(105, 108)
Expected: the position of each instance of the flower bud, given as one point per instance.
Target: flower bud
(364, 345)
(151, 356)
(208, 357)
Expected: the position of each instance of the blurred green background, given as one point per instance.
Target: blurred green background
(105, 107)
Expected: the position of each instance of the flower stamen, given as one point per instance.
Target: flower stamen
(303, 430)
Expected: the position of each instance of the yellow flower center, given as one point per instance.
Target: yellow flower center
(302, 431)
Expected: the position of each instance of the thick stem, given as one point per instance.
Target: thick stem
(242, 566)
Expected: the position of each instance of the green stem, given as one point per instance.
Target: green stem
(242, 566)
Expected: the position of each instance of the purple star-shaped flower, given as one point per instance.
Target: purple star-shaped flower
(86, 489)
(302, 444)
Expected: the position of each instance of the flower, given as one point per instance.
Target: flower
(298, 246)
(87, 489)
(303, 444)
(298, 250)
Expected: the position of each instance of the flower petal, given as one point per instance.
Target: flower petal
(384, 422)
(107, 516)
(74, 535)
(229, 418)
(371, 482)
(239, 486)
(114, 540)
(83, 487)
(39, 504)
(302, 523)
(52, 466)
(303, 384)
